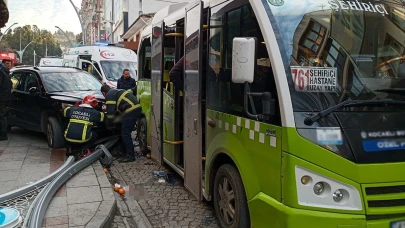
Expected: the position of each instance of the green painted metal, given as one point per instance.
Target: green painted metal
(145, 99)
(265, 210)
(168, 126)
(255, 148)
(317, 155)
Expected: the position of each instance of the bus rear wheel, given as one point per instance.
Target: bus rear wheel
(142, 132)
(230, 201)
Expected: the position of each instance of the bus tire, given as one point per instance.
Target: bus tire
(226, 179)
(54, 133)
(142, 132)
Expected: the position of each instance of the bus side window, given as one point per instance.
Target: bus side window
(144, 64)
(223, 94)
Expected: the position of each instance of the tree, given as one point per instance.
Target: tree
(4, 15)
(42, 40)
(79, 37)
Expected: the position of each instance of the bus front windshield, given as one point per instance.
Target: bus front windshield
(113, 69)
(340, 50)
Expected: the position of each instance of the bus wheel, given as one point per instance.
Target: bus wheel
(142, 132)
(230, 201)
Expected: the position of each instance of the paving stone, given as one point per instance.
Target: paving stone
(57, 207)
(5, 157)
(103, 182)
(9, 175)
(7, 186)
(82, 179)
(80, 214)
(107, 193)
(6, 165)
(59, 226)
(75, 195)
(164, 204)
(59, 220)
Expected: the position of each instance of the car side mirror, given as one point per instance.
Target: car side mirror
(34, 91)
(243, 59)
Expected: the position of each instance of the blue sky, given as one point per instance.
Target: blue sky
(46, 14)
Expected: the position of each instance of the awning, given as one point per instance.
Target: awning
(139, 23)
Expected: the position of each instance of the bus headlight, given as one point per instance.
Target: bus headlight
(316, 190)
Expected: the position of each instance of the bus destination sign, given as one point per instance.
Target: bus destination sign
(314, 79)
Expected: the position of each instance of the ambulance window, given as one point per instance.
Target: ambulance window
(223, 94)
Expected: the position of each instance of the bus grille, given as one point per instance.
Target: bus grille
(387, 199)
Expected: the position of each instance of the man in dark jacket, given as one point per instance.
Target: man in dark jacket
(126, 82)
(126, 105)
(5, 96)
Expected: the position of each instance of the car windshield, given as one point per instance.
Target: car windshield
(113, 69)
(340, 50)
(71, 81)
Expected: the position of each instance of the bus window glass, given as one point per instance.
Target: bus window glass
(333, 52)
(223, 94)
(144, 64)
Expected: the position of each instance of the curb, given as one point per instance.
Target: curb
(131, 208)
(105, 214)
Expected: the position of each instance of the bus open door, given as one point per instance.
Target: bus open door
(193, 134)
(156, 91)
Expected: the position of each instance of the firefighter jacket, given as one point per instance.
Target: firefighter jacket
(121, 101)
(81, 122)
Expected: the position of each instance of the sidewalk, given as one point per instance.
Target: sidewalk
(86, 200)
(149, 203)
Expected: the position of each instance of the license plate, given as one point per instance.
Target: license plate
(398, 224)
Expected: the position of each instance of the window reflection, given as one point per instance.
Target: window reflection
(365, 48)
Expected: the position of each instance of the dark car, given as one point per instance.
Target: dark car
(41, 93)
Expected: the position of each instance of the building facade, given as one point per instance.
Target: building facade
(115, 19)
(140, 15)
(92, 14)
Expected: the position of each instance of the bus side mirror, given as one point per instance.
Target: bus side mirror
(243, 59)
(268, 104)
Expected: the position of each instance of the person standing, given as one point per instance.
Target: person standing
(126, 82)
(5, 96)
(126, 105)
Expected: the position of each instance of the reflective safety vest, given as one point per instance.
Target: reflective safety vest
(118, 100)
(81, 122)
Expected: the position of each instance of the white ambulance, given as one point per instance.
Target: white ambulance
(50, 61)
(106, 63)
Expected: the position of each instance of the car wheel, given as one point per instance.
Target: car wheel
(54, 133)
(230, 201)
(142, 133)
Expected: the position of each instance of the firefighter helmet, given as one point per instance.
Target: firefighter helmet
(91, 100)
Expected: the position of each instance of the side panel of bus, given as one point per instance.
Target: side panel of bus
(251, 147)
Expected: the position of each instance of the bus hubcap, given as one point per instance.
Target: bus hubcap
(226, 201)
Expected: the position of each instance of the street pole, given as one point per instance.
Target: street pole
(21, 52)
(80, 19)
(5, 32)
(65, 35)
(112, 21)
(34, 58)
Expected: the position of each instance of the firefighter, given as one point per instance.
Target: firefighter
(126, 105)
(79, 131)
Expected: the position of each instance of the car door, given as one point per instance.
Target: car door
(15, 108)
(32, 98)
